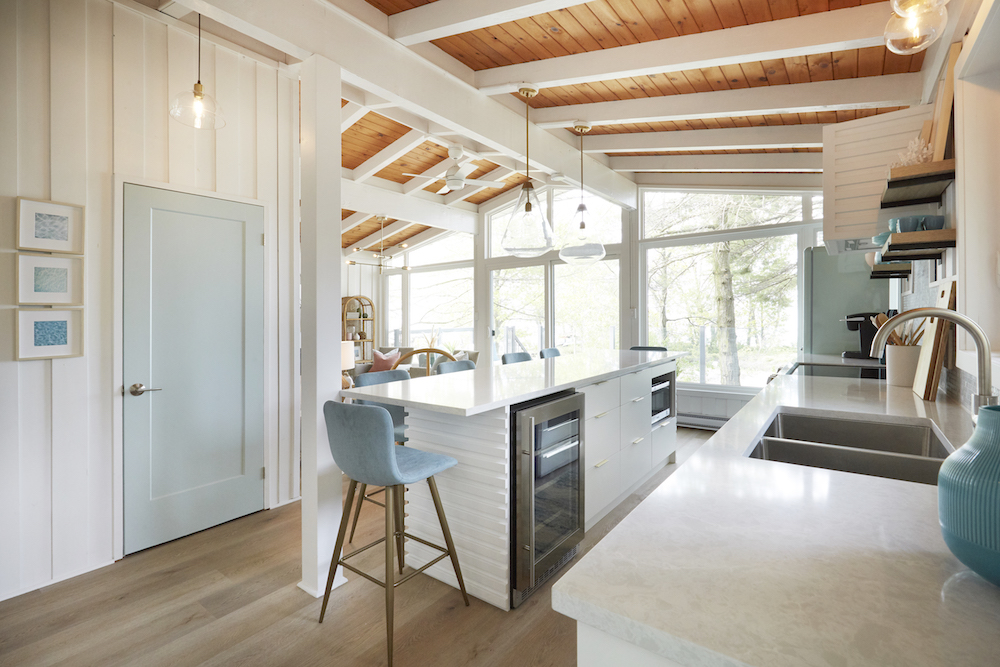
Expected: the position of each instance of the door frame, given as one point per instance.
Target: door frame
(118, 388)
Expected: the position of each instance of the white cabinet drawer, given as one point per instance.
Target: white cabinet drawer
(635, 385)
(601, 397)
(635, 458)
(601, 485)
(635, 419)
(664, 440)
(602, 437)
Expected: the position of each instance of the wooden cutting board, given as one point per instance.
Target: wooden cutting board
(935, 344)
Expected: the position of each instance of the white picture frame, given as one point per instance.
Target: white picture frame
(48, 226)
(49, 280)
(48, 333)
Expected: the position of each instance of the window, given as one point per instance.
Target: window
(519, 310)
(604, 219)
(727, 291)
(666, 213)
(441, 309)
(394, 310)
(587, 306)
(455, 247)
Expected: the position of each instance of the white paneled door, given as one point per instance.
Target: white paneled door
(194, 338)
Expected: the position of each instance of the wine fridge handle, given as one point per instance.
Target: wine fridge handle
(526, 574)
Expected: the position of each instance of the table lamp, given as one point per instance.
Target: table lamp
(346, 362)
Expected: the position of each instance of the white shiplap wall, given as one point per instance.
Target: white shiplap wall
(87, 85)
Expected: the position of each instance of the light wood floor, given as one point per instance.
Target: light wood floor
(228, 596)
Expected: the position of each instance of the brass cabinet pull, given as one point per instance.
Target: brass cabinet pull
(603, 414)
(598, 465)
(638, 440)
(636, 400)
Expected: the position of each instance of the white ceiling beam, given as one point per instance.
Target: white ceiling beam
(498, 174)
(350, 114)
(375, 237)
(172, 9)
(750, 181)
(891, 90)
(394, 204)
(353, 220)
(411, 82)
(388, 155)
(776, 136)
(838, 30)
(752, 162)
(425, 237)
(452, 17)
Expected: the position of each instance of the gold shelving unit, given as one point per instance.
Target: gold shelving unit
(362, 318)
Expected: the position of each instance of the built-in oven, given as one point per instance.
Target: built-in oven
(663, 397)
(547, 489)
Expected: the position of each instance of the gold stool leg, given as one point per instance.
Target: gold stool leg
(447, 536)
(357, 512)
(390, 544)
(400, 526)
(340, 545)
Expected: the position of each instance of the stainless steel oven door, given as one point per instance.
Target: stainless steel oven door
(662, 398)
(549, 468)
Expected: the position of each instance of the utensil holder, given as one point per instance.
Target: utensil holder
(901, 364)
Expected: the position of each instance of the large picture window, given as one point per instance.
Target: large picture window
(722, 281)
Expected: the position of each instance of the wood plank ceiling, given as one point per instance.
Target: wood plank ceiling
(609, 24)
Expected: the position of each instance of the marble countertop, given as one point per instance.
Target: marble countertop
(737, 561)
(835, 360)
(493, 386)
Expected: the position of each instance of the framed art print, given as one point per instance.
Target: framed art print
(49, 280)
(50, 333)
(49, 226)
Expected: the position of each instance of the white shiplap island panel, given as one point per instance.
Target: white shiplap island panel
(467, 416)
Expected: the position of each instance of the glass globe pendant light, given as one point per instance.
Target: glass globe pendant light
(581, 247)
(528, 232)
(920, 27)
(913, 7)
(194, 108)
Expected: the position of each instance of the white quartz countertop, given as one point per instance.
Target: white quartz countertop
(834, 360)
(737, 561)
(493, 386)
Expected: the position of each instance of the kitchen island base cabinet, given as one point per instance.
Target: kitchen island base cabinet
(595, 648)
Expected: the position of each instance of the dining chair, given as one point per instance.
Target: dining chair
(549, 352)
(455, 366)
(648, 348)
(515, 357)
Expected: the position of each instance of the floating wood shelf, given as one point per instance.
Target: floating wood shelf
(910, 246)
(894, 270)
(918, 184)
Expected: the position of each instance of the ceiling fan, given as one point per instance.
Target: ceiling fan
(456, 177)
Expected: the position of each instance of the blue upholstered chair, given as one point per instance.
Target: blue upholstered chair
(455, 366)
(648, 348)
(515, 357)
(398, 415)
(549, 352)
(363, 446)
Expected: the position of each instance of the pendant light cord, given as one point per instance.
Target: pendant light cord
(581, 167)
(199, 48)
(527, 142)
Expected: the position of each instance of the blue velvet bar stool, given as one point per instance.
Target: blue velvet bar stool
(455, 366)
(398, 415)
(363, 447)
(549, 352)
(648, 348)
(515, 357)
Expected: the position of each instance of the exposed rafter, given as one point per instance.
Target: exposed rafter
(394, 204)
(865, 93)
(375, 237)
(354, 220)
(412, 83)
(777, 136)
(388, 155)
(423, 238)
(452, 17)
(694, 163)
(838, 30)
(350, 114)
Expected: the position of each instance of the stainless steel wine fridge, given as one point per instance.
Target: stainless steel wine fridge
(547, 488)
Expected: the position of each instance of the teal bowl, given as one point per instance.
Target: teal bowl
(880, 239)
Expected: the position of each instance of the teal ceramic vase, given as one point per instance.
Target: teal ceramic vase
(969, 498)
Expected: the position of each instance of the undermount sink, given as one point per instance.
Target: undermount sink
(908, 451)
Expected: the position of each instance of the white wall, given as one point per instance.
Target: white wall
(87, 85)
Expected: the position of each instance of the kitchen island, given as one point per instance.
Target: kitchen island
(467, 415)
(740, 561)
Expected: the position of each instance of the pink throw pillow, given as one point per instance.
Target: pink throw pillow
(384, 362)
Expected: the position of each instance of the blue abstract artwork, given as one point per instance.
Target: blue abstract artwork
(54, 332)
(51, 226)
(51, 279)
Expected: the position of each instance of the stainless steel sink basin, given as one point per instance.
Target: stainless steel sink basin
(906, 451)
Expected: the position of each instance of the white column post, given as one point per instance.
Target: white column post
(321, 257)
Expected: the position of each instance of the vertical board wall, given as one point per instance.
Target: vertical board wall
(88, 85)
